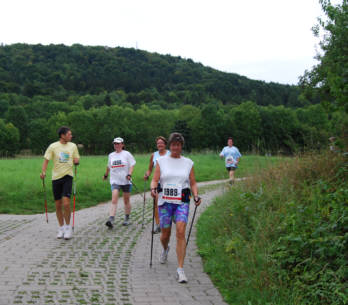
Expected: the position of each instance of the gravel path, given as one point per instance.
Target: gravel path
(98, 266)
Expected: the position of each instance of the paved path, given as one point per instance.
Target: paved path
(97, 266)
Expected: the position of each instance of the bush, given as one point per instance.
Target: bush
(281, 237)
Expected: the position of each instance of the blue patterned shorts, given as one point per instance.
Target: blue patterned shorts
(171, 211)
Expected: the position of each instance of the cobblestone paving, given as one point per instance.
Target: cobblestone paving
(97, 266)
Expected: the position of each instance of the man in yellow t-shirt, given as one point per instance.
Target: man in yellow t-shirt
(64, 155)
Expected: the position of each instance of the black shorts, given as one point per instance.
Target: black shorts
(62, 187)
(231, 168)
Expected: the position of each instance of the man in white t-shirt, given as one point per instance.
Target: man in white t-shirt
(120, 166)
(232, 157)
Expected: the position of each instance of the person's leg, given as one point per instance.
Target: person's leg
(165, 237)
(114, 200)
(181, 216)
(127, 205)
(165, 212)
(231, 172)
(113, 207)
(59, 212)
(180, 242)
(57, 187)
(66, 193)
(66, 209)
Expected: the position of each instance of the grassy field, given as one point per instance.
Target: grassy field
(21, 190)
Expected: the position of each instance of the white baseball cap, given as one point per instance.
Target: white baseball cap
(118, 140)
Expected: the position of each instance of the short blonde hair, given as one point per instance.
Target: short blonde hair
(162, 138)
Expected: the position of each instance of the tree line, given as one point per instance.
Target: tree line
(60, 71)
(255, 128)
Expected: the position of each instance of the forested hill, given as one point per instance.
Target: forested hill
(61, 71)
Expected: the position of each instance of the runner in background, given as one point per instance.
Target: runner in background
(232, 157)
(161, 143)
(64, 155)
(120, 166)
(176, 175)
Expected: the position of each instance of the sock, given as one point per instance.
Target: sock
(127, 217)
(112, 218)
(180, 269)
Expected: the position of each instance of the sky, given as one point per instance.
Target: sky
(269, 40)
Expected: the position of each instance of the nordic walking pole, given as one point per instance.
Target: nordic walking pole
(44, 188)
(73, 226)
(193, 219)
(144, 204)
(135, 187)
(152, 229)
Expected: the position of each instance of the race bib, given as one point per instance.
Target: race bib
(117, 163)
(172, 193)
(63, 157)
(229, 160)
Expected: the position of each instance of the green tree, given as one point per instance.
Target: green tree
(3, 108)
(182, 127)
(279, 129)
(9, 139)
(247, 122)
(328, 79)
(18, 117)
(83, 126)
(39, 137)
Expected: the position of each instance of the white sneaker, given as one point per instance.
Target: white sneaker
(60, 232)
(164, 256)
(68, 232)
(180, 276)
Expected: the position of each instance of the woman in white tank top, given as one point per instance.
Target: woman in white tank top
(176, 176)
(161, 143)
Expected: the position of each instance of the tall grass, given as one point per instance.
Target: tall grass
(21, 190)
(281, 237)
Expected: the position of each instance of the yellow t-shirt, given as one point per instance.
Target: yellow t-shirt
(62, 156)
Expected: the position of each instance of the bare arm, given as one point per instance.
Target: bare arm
(149, 171)
(194, 187)
(130, 172)
(106, 173)
(44, 168)
(155, 180)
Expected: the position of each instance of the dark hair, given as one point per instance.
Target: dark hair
(63, 130)
(162, 138)
(176, 137)
(229, 138)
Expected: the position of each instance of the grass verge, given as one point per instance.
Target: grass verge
(282, 236)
